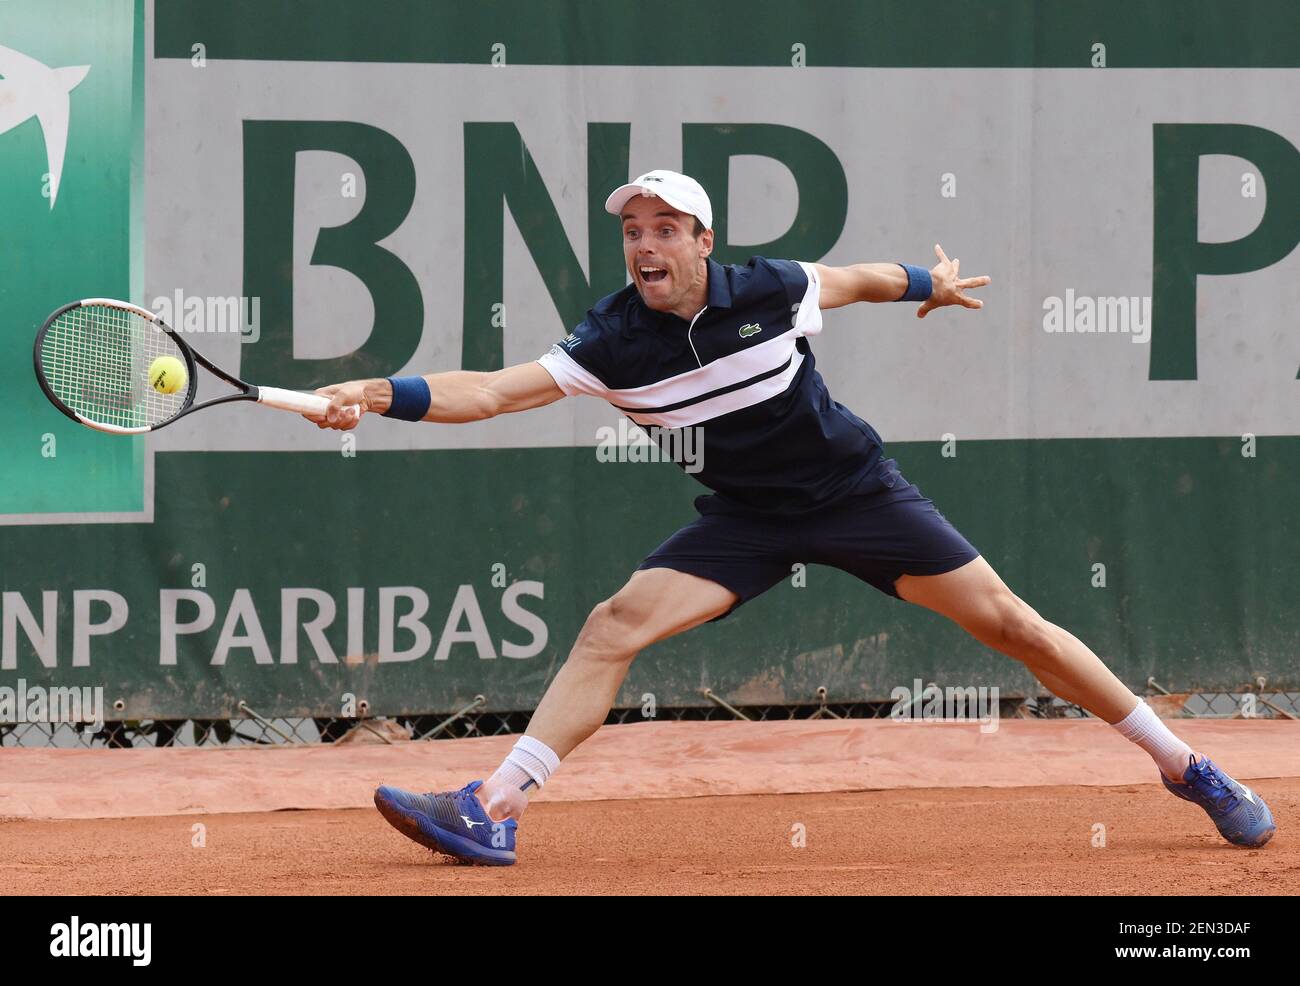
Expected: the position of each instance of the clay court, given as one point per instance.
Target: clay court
(670, 808)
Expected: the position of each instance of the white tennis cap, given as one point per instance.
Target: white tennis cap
(682, 192)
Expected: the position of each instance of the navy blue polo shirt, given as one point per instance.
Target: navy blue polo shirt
(742, 371)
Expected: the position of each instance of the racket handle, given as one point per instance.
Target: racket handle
(294, 400)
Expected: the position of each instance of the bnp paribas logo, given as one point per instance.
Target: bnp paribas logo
(31, 89)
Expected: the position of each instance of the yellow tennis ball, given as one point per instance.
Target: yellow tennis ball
(167, 374)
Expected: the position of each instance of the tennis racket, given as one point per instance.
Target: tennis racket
(92, 361)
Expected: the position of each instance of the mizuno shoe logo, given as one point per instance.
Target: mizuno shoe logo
(752, 329)
(469, 823)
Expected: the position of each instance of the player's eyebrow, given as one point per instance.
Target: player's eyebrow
(666, 213)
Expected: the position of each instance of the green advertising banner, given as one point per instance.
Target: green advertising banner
(71, 166)
(338, 190)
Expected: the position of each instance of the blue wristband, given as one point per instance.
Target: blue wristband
(919, 285)
(411, 398)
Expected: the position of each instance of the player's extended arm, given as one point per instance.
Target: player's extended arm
(888, 282)
(456, 396)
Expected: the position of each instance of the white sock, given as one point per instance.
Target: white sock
(1143, 727)
(529, 765)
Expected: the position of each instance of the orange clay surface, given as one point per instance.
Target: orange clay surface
(678, 808)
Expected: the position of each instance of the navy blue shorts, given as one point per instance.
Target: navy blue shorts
(875, 536)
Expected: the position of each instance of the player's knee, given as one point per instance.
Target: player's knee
(1025, 635)
(609, 633)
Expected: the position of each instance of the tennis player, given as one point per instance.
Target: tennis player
(796, 477)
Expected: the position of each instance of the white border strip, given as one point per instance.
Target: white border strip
(144, 516)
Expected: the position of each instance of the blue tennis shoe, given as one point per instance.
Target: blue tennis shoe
(1238, 813)
(451, 822)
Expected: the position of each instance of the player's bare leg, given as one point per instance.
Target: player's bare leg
(978, 601)
(654, 604)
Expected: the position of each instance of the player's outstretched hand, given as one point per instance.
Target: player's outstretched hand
(342, 396)
(948, 288)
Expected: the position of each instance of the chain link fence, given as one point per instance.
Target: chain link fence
(256, 730)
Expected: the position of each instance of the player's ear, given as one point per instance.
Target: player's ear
(706, 243)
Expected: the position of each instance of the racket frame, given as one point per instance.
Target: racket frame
(287, 400)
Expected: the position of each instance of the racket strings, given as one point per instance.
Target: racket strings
(96, 360)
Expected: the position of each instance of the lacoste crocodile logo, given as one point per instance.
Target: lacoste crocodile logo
(752, 329)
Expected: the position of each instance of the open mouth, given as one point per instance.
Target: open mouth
(651, 274)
